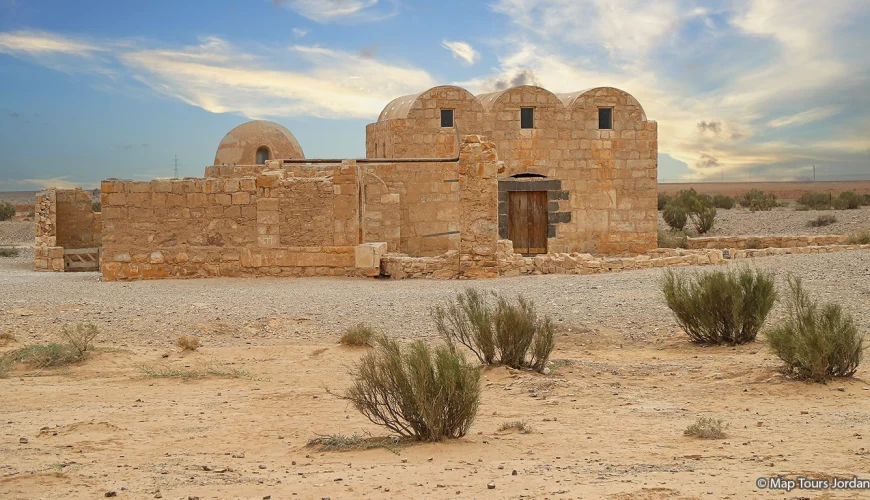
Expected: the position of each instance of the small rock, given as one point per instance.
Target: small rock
(267, 497)
(22, 440)
(490, 486)
(841, 389)
(262, 467)
(514, 472)
(111, 494)
(158, 495)
(238, 455)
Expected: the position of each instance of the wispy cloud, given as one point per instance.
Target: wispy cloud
(221, 77)
(803, 117)
(299, 32)
(36, 43)
(352, 11)
(53, 182)
(462, 50)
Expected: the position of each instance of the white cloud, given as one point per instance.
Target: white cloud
(462, 50)
(221, 77)
(326, 11)
(36, 43)
(804, 117)
(299, 32)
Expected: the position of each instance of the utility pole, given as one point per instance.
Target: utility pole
(814, 173)
(175, 168)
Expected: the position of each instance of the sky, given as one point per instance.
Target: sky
(742, 90)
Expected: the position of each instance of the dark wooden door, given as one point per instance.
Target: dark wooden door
(527, 221)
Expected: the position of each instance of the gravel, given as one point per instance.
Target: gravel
(16, 233)
(783, 220)
(262, 311)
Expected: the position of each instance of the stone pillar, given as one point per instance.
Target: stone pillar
(47, 256)
(478, 208)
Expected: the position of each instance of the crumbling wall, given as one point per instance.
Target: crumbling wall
(65, 220)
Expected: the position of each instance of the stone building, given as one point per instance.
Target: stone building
(255, 142)
(579, 170)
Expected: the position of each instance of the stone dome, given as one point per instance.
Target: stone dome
(253, 142)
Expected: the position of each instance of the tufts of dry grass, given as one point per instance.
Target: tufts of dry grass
(707, 428)
(358, 336)
(860, 238)
(9, 252)
(7, 338)
(516, 425)
(338, 442)
(822, 220)
(77, 346)
(5, 366)
(187, 342)
(186, 374)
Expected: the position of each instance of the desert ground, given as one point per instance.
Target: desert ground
(141, 419)
(783, 190)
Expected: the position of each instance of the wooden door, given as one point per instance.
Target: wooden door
(527, 221)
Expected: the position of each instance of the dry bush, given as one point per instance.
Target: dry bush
(822, 220)
(7, 211)
(816, 342)
(80, 338)
(663, 200)
(848, 200)
(416, 392)
(675, 216)
(5, 366)
(503, 333)
(816, 201)
(707, 428)
(516, 425)
(7, 338)
(673, 239)
(753, 243)
(9, 252)
(862, 238)
(47, 355)
(723, 201)
(703, 218)
(756, 200)
(720, 307)
(359, 335)
(338, 442)
(187, 342)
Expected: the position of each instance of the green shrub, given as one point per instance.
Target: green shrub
(675, 216)
(707, 428)
(756, 200)
(76, 348)
(753, 243)
(722, 201)
(862, 238)
(847, 200)
(504, 333)
(865, 200)
(816, 342)
(9, 252)
(720, 307)
(703, 218)
(96, 206)
(80, 338)
(5, 366)
(7, 211)
(359, 335)
(822, 220)
(815, 201)
(416, 392)
(664, 198)
(673, 239)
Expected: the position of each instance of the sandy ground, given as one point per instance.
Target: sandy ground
(607, 421)
(782, 220)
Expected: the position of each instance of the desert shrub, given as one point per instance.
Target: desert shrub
(418, 392)
(7, 338)
(720, 307)
(753, 243)
(338, 442)
(703, 218)
(7, 211)
(516, 425)
(504, 333)
(9, 252)
(187, 342)
(96, 206)
(663, 200)
(816, 201)
(675, 216)
(48, 355)
(822, 220)
(359, 335)
(707, 428)
(865, 200)
(816, 342)
(80, 338)
(5, 366)
(862, 238)
(848, 200)
(673, 239)
(723, 201)
(756, 200)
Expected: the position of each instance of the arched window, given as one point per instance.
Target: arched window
(262, 155)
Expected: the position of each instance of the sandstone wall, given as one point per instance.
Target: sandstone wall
(603, 182)
(77, 224)
(779, 241)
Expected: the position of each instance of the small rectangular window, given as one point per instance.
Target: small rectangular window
(446, 118)
(527, 117)
(605, 118)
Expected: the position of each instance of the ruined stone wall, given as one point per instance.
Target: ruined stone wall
(77, 224)
(603, 181)
(47, 255)
(756, 242)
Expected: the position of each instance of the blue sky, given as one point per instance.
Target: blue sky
(742, 89)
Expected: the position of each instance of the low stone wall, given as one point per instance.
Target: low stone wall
(65, 220)
(788, 241)
(446, 266)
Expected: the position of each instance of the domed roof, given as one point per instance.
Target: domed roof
(240, 145)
